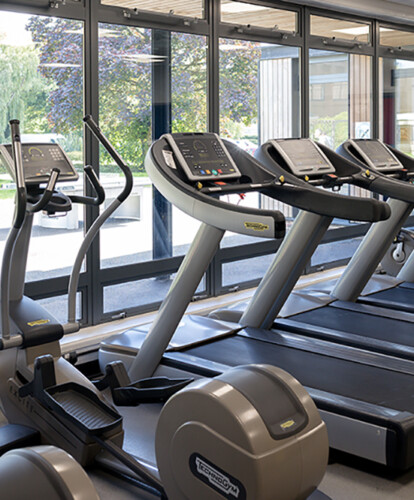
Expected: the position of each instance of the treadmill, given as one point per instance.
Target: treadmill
(318, 311)
(365, 398)
(357, 283)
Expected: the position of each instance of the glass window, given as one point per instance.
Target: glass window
(339, 28)
(253, 269)
(396, 38)
(329, 253)
(397, 103)
(192, 8)
(41, 84)
(58, 306)
(258, 15)
(343, 108)
(136, 67)
(139, 293)
(317, 92)
(259, 92)
(259, 100)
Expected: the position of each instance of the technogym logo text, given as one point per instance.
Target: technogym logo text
(222, 482)
(216, 478)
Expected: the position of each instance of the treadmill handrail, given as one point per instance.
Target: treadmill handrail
(207, 208)
(301, 194)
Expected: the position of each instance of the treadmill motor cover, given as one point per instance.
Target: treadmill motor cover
(251, 433)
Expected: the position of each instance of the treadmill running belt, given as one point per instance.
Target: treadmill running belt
(397, 298)
(358, 323)
(365, 383)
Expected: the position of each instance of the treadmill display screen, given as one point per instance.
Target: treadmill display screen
(303, 157)
(203, 156)
(377, 154)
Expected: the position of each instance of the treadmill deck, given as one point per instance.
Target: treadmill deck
(400, 298)
(355, 328)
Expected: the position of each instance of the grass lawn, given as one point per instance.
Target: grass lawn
(6, 194)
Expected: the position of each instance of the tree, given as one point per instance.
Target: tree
(238, 85)
(18, 83)
(60, 47)
(125, 72)
(188, 82)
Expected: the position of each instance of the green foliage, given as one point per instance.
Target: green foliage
(43, 86)
(188, 83)
(238, 86)
(20, 85)
(6, 194)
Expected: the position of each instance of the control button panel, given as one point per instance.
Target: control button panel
(203, 156)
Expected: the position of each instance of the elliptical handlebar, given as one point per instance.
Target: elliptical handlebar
(21, 194)
(96, 184)
(47, 194)
(93, 127)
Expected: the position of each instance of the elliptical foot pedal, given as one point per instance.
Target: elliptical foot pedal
(82, 407)
(147, 390)
(72, 402)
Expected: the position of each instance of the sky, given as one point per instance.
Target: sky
(12, 29)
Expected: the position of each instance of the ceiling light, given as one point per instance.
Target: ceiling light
(143, 58)
(228, 46)
(60, 65)
(358, 30)
(239, 7)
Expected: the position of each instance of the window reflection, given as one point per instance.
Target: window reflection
(397, 103)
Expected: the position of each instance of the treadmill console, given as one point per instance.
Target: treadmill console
(38, 161)
(303, 157)
(376, 154)
(202, 156)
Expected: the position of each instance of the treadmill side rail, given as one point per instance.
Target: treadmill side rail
(378, 433)
(350, 435)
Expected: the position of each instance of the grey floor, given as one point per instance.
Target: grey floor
(341, 482)
(346, 478)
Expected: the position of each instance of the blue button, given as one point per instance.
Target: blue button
(202, 172)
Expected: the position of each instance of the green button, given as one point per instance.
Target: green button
(214, 172)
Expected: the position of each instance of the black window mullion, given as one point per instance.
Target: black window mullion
(92, 296)
(375, 85)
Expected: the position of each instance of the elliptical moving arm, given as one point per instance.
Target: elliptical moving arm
(19, 216)
(72, 325)
(119, 161)
(21, 209)
(21, 195)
